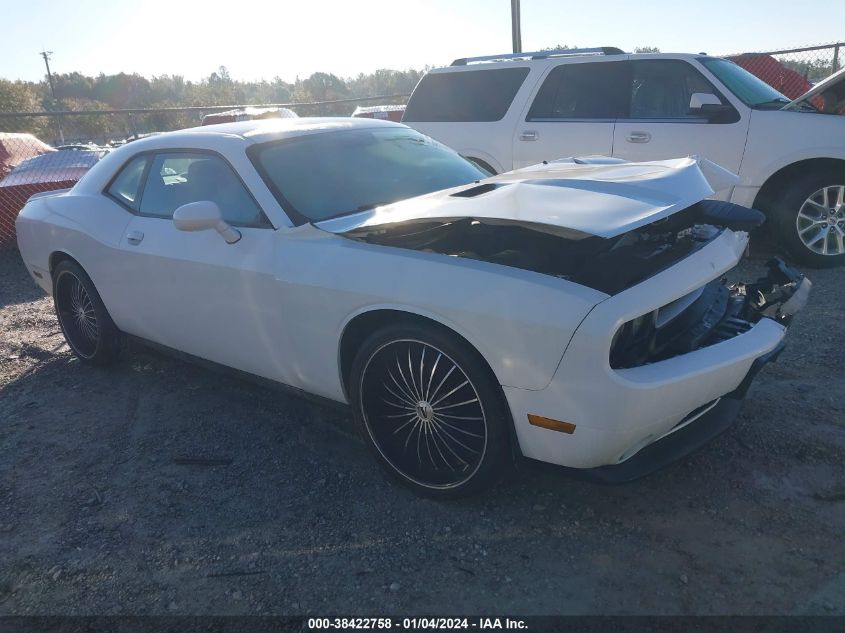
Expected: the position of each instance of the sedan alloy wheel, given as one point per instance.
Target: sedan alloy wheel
(85, 322)
(76, 314)
(423, 414)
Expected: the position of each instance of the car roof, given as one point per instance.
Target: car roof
(223, 137)
(261, 130)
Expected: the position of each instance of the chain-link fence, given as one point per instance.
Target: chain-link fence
(46, 151)
(794, 71)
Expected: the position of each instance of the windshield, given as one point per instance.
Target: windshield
(749, 89)
(330, 174)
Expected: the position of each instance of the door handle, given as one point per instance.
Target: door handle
(135, 237)
(529, 135)
(639, 137)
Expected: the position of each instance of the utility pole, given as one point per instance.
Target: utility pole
(46, 55)
(516, 27)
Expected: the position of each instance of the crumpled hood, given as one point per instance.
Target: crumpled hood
(823, 86)
(573, 197)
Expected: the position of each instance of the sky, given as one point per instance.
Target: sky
(256, 40)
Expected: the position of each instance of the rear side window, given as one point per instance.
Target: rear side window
(473, 95)
(599, 90)
(179, 178)
(127, 184)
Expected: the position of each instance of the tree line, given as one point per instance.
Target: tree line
(75, 91)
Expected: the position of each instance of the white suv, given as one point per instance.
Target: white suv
(509, 111)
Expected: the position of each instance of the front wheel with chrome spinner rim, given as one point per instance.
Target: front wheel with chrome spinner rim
(85, 322)
(809, 218)
(430, 409)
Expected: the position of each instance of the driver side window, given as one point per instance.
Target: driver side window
(661, 89)
(178, 178)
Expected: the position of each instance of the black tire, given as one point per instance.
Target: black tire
(435, 453)
(85, 322)
(793, 214)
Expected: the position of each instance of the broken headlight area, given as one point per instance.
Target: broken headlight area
(780, 294)
(711, 314)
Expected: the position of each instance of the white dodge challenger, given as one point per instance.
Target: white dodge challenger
(575, 312)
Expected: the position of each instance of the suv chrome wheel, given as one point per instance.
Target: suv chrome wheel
(821, 221)
(423, 414)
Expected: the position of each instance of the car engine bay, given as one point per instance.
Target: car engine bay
(609, 265)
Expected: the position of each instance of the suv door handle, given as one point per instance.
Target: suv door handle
(135, 237)
(529, 135)
(639, 137)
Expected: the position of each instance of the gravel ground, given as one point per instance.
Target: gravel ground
(158, 487)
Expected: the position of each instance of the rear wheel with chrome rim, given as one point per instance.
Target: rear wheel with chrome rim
(430, 409)
(85, 323)
(809, 218)
(821, 221)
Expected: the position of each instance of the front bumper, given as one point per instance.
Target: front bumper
(690, 434)
(622, 413)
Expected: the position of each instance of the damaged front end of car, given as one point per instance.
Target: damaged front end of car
(661, 362)
(710, 314)
(714, 313)
(608, 225)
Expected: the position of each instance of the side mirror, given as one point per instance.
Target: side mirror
(204, 215)
(707, 105)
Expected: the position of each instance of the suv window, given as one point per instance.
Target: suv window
(125, 186)
(465, 96)
(661, 89)
(179, 178)
(583, 91)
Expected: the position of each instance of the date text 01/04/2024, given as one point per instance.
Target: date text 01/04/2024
(424, 623)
